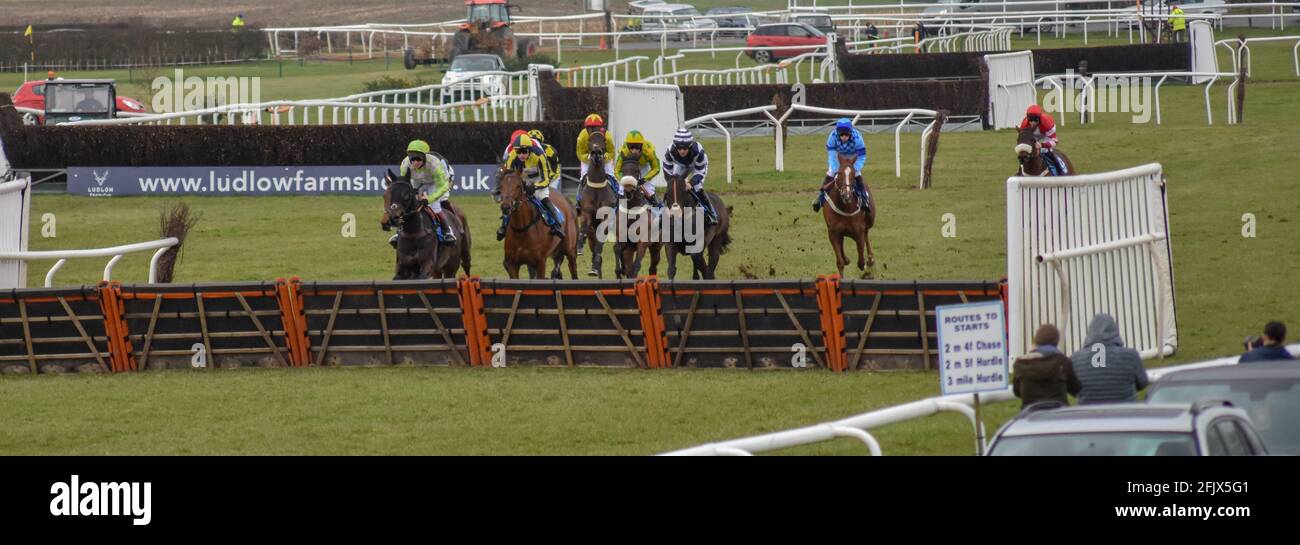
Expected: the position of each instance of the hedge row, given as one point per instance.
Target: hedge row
(118, 46)
(170, 145)
(1114, 58)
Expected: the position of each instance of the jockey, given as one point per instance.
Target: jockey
(636, 148)
(1045, 133)
(526, 156)
(511, 144)
(593, 124)
(431, 179)
(845, 140)
(687, 158)
(548, 151)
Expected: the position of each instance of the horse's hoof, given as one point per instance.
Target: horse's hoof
(593, 272)
(579, 250)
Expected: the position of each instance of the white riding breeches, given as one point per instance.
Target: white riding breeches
(542, 193)
(436, 206)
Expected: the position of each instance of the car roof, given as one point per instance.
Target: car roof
(1265, 370)
(1125, 417)
(475, 56)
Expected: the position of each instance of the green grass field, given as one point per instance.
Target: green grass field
(1227, 287)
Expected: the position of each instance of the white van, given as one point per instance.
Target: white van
(676, 17)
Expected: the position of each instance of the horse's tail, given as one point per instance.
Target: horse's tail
(726, 241)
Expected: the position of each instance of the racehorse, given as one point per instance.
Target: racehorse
(844, 218)
(1031, 158)
(636, 213)
(528, 240)
(594, 193)
(419, 255)
(679, 197)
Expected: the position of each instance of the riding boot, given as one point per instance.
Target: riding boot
(444, 230)
(552, 217)
(501, 233)
(710, 216)
(821, 194)
(650, 198)
(864, 200)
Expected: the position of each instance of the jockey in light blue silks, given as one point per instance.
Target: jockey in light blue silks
(845, 140)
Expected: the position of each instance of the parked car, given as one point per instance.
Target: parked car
(1268, 391)
(733, 17)
(672, 17)
(32, 94)
(1206, 428)
(936, 15)
(819, 20)
(468, 70)
(782, 34)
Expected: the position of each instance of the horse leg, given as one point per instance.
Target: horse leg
(654, 258)
(701, 271)
(672, 261)
(837, 245)
(715, 252)
(862, 258)
(871, 256)
(512, 269)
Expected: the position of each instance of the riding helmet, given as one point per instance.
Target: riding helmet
(594, 120)
(418, 146)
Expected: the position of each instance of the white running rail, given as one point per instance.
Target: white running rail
(904, 115)
(726, 134)
(116, 252)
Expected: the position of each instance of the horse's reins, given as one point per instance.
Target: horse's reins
(515, 206)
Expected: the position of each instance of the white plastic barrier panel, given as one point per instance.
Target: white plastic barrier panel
(1011, 87)
(15, 208)
(654, 109)
(1203, 57)
(1095, 243)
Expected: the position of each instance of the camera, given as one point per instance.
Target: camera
(1253, 342)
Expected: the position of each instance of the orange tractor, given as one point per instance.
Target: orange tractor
(486, 30)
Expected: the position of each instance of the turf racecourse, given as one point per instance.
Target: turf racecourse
(1227, 287)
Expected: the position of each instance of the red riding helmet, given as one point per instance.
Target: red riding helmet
(594, 121)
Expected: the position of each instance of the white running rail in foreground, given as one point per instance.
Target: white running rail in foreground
(116, 252)
(859, 426)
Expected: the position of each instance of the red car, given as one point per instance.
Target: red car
(782, 34)
(31, 94)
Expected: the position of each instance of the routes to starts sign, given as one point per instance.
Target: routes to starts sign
(972, 347)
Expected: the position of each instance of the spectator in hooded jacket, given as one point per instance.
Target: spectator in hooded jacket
(1272, 348)
(1044, 374)
(1108, 371)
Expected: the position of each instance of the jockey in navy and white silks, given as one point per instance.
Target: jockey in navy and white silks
(686, 158)
(844, 140)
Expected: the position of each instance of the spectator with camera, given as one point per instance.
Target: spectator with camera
(1268, 347)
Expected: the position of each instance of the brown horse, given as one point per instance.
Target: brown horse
(419, 256)
(680, 199)
(594, 193)
(630, 246)
(845, 218)
(1031, 158)
(528, 240)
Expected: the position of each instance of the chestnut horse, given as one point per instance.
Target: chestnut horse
(1031, 158)
(716, 237)
(594, 193)
(528, 240)
(419, 256)
(845, 218)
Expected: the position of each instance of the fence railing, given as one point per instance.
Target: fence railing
(597, 75)
(726, 134)
(1241, 53)
(904, 115)
(1089, 92)
(859, 426)
(115, 252)
(328, 112)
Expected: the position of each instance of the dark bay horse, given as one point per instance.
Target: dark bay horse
(630, 245)
(1032, 162)
(419, 256)
(594, 193)
(680, 198)
(528, 240)
(844, 218)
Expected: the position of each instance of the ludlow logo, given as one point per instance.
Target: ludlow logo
(90, 499)
(99, 190)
